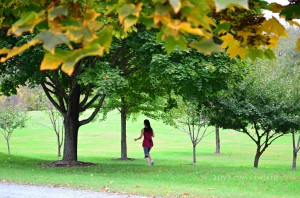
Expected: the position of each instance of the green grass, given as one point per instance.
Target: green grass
(230, 174)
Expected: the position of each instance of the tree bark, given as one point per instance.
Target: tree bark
(295, 150)
(218, 146)
(257, 156)
(294, 160)
(58, 147)
(8, 147)
(194, 154)
(123, 129)
(71, 124)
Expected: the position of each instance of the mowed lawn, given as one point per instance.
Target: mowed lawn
(230, 174)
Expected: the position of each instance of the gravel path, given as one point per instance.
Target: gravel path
(24, 191)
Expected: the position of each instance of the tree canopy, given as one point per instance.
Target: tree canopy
(86, 28)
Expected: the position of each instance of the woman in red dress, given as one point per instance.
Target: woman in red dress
(148, 134)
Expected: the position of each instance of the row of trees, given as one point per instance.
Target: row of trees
(136, 71)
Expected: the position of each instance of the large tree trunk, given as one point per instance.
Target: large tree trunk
(71, 123)
(218, 146)
(123, 130)
(194, 154)
(257, 156)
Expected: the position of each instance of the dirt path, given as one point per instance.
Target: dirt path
(24, 191)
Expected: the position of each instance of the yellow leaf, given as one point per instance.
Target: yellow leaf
(291, 22)
(51, 61)
(227, 39)
(273, 41)
(275, 7)
(186, 27)
(298, 45)
(17, 50)
(244, 34)
(273, 26)
(236, 50)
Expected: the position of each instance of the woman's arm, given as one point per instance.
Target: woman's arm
(142, 133)
(152, 133)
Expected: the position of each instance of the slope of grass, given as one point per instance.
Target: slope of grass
(227, 175)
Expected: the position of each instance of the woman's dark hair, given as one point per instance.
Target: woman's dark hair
(148, 125)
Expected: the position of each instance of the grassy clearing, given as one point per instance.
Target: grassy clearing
(227, 175)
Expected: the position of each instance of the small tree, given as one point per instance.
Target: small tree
(11, 118)
(258, 107)
(56, 124)
(191, 120)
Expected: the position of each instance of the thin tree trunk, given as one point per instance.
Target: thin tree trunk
(58, 146)
(294, 164)
(8, 147)
(218, 146)
(294, 160)
(123, 130)
(257, 156)
(194, 154)
(71, 124)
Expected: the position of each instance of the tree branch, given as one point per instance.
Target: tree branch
(55, 104)
(130, 71)
(86, 95)
(86, 121)
(275, 138)
(85, 107)
(245, 131)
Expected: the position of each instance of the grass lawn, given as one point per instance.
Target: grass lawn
(230, 174)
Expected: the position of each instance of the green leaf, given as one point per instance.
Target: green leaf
(76, 34)
(129, 22)
(254, 54)
(50, 40)
(223, 26)
(206, 46)
(269, 54)
(291, 12)
(57, 11)
(170, 44)
(105, 37)
(27, 23)
(70, 60)
(126, 10)
(222, 4)
(176, 5)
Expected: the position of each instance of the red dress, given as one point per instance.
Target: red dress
(148, 142)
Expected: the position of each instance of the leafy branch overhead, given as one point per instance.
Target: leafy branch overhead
(72, 30)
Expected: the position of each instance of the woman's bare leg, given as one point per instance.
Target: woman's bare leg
(151, 160)
(148, 161)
